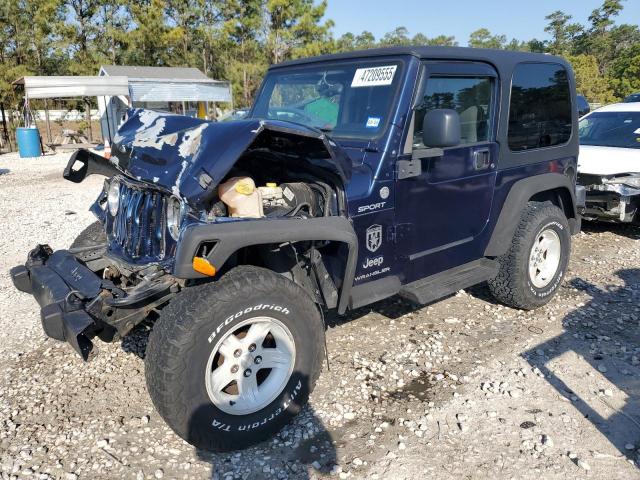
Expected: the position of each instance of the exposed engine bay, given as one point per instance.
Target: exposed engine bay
(244, 200)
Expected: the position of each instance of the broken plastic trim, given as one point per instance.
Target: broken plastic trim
(84, 163)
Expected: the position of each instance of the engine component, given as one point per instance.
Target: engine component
(271, 195)
(242, 197)
(289, 199)
(218, 209)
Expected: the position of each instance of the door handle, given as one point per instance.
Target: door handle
(482, 159)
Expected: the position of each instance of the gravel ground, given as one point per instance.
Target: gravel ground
(462, 388)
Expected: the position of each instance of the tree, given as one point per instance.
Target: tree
(112, 42)
(210, 41)
(589, 82)
(597, 40)
(148, 38)
(562, 32)
(241, 23)
(345, 43)
(365, 40)
(443, 40)
(295, 29)
(517, 45)
(183, 18)
(397, 37)
(483, 38)
(602, 18)
(78, 33)
(624, 73)
(537, 46)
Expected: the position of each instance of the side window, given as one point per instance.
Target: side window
(469, 96)
(540, 111)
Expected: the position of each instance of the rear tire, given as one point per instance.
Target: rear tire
(198, 345)
(533, 268)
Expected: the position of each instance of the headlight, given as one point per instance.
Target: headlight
(174, 217)
(113, 197)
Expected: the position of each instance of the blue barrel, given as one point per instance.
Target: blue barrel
(28, 140)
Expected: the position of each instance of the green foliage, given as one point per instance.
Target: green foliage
(482, 38)
(624, 74)
(241, 24)
(238, 39)
(589, 82)
(295, 29)
(563, 33)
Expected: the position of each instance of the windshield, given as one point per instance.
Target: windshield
(611, 129)
(347, 100)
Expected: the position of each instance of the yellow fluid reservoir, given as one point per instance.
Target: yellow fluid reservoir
(242, 197)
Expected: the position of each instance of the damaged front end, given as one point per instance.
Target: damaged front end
(174, 186)
(77, 304)
(614, 198)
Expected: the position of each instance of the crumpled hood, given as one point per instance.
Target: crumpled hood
(189, 156)
(596, 160)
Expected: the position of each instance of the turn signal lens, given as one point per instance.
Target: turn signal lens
(202, 265)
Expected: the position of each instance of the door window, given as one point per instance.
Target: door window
(470, 96)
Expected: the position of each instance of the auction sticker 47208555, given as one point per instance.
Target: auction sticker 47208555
(374, 76)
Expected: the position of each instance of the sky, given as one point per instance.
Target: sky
(521, 19)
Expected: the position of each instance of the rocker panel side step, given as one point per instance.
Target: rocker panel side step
(450, 281)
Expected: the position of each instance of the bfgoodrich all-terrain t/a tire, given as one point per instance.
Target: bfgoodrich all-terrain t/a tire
(230, 362)
(533, 268)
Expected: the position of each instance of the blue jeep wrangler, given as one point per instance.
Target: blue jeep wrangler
(404, 171)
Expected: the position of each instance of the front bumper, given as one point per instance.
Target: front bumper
(60, 283)
(76, 304)
(610, 205)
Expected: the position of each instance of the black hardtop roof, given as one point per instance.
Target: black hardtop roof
(501, 59)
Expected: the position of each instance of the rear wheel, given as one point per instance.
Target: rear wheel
(229, 363)
(533, 268)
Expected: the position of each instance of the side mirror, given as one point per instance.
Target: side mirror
(441, 128)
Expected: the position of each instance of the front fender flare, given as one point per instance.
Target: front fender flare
(229, 237)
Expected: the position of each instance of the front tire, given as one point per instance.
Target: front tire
(229, 363)
(91, 236)
(533, 268)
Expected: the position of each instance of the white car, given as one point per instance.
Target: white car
(609, 163)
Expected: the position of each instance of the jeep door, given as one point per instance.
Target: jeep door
(444, 206)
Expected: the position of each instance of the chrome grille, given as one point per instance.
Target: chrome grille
(139, 228)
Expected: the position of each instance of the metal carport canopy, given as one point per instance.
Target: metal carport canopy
(71, 86)
(177, 91)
